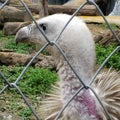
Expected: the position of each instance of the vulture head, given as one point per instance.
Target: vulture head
(76, 41)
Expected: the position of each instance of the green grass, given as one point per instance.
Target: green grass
(17, 106)
(34, 81)
(25, 113)
(113, 26)
(20, 48)
(103, 52)
(9, 43)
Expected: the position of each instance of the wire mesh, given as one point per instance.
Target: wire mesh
(54, 43)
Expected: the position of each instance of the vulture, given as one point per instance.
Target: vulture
(77, 44)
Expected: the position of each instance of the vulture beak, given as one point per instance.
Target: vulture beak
(22, 35)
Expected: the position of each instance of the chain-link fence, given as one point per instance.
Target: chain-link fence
(54, 43)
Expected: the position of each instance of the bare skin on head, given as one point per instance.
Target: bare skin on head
(78, 45)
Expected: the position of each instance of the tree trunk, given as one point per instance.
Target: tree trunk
(12, 14)
(88, 10)
(12, 58)
(11, 28)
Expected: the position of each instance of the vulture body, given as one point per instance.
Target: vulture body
(78, 45)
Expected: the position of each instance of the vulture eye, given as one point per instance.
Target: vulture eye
(43, 26)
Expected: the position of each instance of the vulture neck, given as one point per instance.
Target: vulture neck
(84, 102)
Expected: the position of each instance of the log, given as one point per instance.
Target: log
(12, 14)
(99, 19)
(74, 2)
(12, 58)
(88, 10)
(11, 28)
(34, 8)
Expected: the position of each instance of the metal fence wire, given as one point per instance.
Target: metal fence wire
(54, 43)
